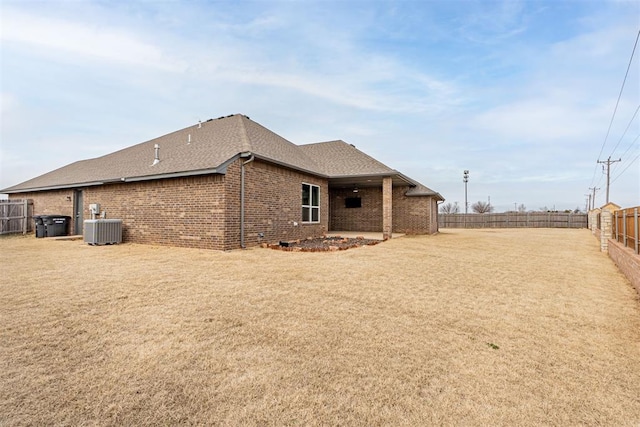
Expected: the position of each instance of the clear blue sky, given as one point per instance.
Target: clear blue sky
(521, 93)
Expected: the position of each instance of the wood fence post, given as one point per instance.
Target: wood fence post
(624, 228)
(25, 215)
(635, 230)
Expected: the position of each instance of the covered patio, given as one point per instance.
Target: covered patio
(383, 206)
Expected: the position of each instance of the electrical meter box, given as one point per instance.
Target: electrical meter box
(94, 208)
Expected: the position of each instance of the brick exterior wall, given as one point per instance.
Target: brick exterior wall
(201, 211)
(367, 218)
(433, 213)
(410, 215)
(387, 207)
(204, 211)
(231, 217)
(627, 261)
(273, 204)
(186, 212)
(55, 202)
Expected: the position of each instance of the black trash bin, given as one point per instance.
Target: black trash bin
(39, 226)
(56, 225)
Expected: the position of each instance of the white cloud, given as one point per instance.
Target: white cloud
(542, 120)
(85, 42)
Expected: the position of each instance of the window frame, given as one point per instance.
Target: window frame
(311, 206)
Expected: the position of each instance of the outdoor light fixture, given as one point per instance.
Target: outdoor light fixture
(355, 189)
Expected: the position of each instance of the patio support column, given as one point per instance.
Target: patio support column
(387, 207)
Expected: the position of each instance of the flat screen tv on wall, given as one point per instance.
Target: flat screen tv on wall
(353, 202)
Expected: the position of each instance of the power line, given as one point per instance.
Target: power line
(617, 102)
(619, 169)
(620, 94)
(625, 169)
(625, 131)
(630, 145)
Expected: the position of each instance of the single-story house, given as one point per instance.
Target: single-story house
(228, 183)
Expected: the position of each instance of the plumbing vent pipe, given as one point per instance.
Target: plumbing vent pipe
(156, 159)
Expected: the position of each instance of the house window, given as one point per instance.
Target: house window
(310, 203)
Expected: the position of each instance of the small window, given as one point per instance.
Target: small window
(310, 203)
(353, 202)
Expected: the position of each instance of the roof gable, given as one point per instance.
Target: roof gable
(337, 158)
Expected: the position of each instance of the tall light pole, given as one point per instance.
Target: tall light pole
(465, 179)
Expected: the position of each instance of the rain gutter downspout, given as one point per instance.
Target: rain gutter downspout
(243, 155)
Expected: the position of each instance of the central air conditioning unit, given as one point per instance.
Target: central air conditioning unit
(103, 231)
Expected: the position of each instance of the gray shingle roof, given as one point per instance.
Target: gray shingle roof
(206, 148)
(201, 147)
(423, 190)
(337, 158)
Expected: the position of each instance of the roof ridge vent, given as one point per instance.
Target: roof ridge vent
(156, 159)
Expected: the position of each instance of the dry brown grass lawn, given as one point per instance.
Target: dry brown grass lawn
(471, 327)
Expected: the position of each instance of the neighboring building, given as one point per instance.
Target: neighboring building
(228, 183)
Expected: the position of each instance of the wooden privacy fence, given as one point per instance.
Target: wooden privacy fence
(16, 216)
(626, 226)
(513, 220)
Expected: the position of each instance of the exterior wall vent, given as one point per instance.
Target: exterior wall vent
(103, 231)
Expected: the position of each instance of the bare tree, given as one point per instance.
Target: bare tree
(522, 208)
(450, 208)
(482, 207)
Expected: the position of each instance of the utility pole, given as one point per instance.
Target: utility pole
(588, 201)
(608, 163)
(593, 199)
(465, 179)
